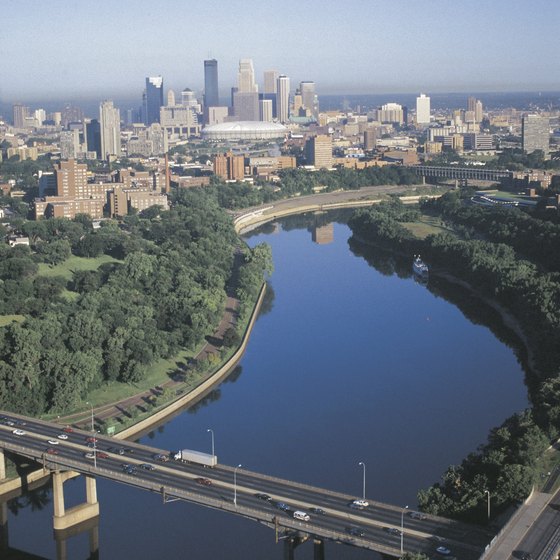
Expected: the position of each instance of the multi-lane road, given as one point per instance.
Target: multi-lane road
(376, 527)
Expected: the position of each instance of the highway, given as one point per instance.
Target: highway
(376, 527)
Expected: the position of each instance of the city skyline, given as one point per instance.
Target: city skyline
(358, 47)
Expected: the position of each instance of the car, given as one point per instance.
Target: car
(91, 445)
(417, 515)
(130, 470)
(52, 451)
(18, 432)
(120, 450)
(91, 439)
(526, 556)
(20, 423)
(89, 455)
(317, 510)
(102, 455)
(127, 450)
(9, 422)
(62, 436)
(203, 481)
(355, 531)
(392, 531)
(265, 497)
(52, 442)
(282, 506)
(161, 457)
(359, 503)
(68, 429)
(147, 467)
(443, 550)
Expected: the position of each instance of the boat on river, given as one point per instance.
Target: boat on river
(419, 267)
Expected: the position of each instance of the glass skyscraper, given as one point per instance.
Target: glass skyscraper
(153, 99)
(211, 97)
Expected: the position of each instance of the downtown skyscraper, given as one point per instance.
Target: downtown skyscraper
(211, 95)
(153, 99)
(283, 98)
(110, 129)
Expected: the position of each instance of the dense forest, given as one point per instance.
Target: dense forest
(160, 286)
(505, 255)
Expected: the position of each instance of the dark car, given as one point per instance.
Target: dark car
(317, 510)
(91, 439)
(392, 530)
(161, 457)
(52, 451)
(355, 531)
(265, 497)
(282, 506)
(203, 481)
(147, 467)
(102, 455)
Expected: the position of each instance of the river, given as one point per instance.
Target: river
(352, 361)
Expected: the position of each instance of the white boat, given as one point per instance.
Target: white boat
(419, 267)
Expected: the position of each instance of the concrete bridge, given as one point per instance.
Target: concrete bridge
(229, 489)
(463, 173)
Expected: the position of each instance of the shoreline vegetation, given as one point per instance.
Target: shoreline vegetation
(490, 260)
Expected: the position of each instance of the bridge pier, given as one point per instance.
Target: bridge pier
(318, 549)
(4, 541)
(62, 538)
(63, 519)
(2, 465)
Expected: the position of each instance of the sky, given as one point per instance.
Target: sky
(52, 49)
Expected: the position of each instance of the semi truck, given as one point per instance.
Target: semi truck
(190, 456)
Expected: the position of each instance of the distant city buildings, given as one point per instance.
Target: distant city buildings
(283, 98)
(390, 113)
(211, 94)
(423, 109)
(110, 130)
(535, 134)
(153, 99)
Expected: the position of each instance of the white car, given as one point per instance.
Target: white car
(89, 455)
(360, 503)
(52, 441)
(62, 436)
(443, 550)
(18, 432)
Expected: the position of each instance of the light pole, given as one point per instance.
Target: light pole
(402, 528)
(487, 492)
(235, 484)
(212, 434)
(93, 436)
(363, 465)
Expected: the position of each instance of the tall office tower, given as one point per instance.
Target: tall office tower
(478, 111)
(318, 151)
(110, 124)
(471, 103)
(283, 98)
(423, 109)
(246, 77)
(153, 99)
(93, 137)
(188, 99)
(170, 98)
(21, 112)
(535, 134)
(309, 98)
(270, 77)
(71, 179)
(246, 106)
(265, 107)
(211, 96)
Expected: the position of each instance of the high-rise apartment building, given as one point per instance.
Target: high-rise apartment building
(283, 98)
(229, 166)
(69, 144)
(153, 99)
(246, 77)
(71, 179)
(21, 112)
(211, 95)
(423, 109)
(390, 113)
(535, 134)
(309, 98)
(318, 151)
(110, 124)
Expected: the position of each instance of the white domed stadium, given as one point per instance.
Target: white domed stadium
(244, 130)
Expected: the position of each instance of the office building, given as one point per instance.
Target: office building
(147, 141)
(110, 124)
(423, 109)
(370, 139)
(170, 98)
(211, 95)
(93, 137)
(390, 113)
(20, 112)
(270, 77)
(153, 99)
(309, 99)
(318, 151)
(535, 134)
(180, 121)
(283, 98)
(265, 108)
(474, 110)
(246, 77)
(246, 106)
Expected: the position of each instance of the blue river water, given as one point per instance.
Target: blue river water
(349, 364)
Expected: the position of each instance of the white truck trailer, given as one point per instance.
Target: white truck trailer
(190, 456)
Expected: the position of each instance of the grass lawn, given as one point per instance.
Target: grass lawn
(69, 266)
(7, 319)
(427, 225)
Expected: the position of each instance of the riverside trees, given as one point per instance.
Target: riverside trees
(164, 290)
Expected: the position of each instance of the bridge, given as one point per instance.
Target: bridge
(463, 173)
(261, 498)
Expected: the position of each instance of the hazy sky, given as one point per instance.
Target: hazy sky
(66, 48)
